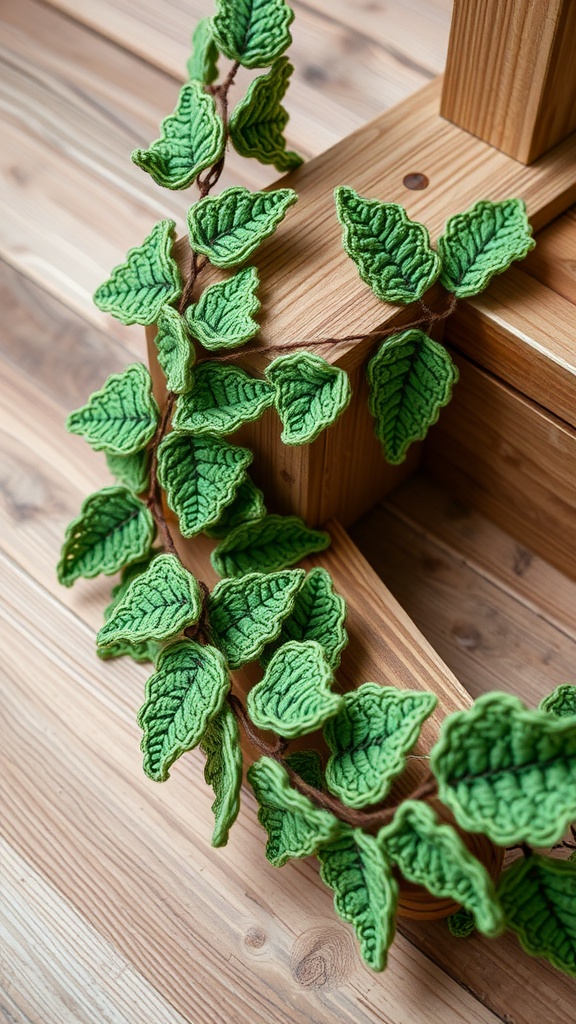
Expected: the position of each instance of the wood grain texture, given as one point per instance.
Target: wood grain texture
(553, 261)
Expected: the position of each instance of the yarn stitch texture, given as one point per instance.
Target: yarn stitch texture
(223, 398)
(175, 350)
(133, 471)
(319, 614)
(143, 650)
(223, 315)
(202, 65)
(148, 279)
(295, 696)
(223, 771)
(253, 32)
(228, 228)
(248, 505)
(258, 121)
(310, 395)
(561, 702)
(120, 418)
(538, 895)
(270, 544)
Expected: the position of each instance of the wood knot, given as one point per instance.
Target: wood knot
(255, 938)
(322, 958)
(466, 635)
(415, 182)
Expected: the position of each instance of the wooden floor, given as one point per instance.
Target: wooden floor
(114, 907)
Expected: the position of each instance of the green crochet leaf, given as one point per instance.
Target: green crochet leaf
(223, 771)
(122, 416)
(144, 650)
(158, 604)
(113, 529)
(483, 242)
(186, 691)
(175, 350)
(200, 475)
(410, 379)
(267, 545)
(561, 702)
(133, 471)
(191, 139)
(295, 696)
(246, 614)
(228, 228)
(247, 506)
(254, 32)
(461, 924)
(538, 895)
(365, 891)
(308, 765)
(369, 739)
(433, 854)
(257, 123)
(222, 317)
(392, 253)
(149, 279)
(295, 826)
(202, 65)
(318, 614)
(222, 399)
(310, 395)
(507, 771)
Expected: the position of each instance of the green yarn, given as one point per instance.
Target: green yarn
(202, 65)
(507, 771)
(369, 739)
(461, 924)
(310, 395)
(561, 702)
(144, 650)
(392, 253)
(318, 614)
(254, 32)
(247, 614)
(223, 315)
(272, 543)
(175, 350)
(120, 418)
(228, 228)
(222, 399)
(308, 765)
(191, 139)
(258, 121)
(295, 696)
(410, 379)
(223, 771)
(149, 279)
(133, 471)
(248, 505)
(538, 895)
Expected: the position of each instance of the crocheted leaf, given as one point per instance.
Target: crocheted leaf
(200, 475)
(507, 771)
(295, 826)
(223, 771)
(561, 702)
(175, 350)
(113, 529)
(318, 614)
(131, 470)
(308, 765)
(222, 317)
(538, 895)
(122, 416)
(267, 545)
(158, 604)
(392, 253)
(369, 739)
(144, 650)
(246, 614)
(258, 121)
(202, 64)
(432, 854)
(247, 506)
(229, 227)
(310, 395)
(222, 399)
(137, 289)
(186, 691)
(253, 32)
(483, 242)
(365, 891)
(410, 379)
(461, 924)
(295, 696)
(191, 139)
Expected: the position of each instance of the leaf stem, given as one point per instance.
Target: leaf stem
(154, 497)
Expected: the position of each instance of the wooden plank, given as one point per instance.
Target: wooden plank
(552, 261)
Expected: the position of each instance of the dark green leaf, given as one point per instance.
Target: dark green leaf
(257, 123)
(222, 317)
(561, 702)
(175, 350)
(483, 242)
(310, 395)
(247, 506)
(246, 614)
(295, 696)
(148, 280)
(254, 32)
(202, 64)
(267, 545)
(308, 765)
(538, 895)
(318, 614)
(461, 924)
(222, 399)
(223, 771)
(120, 418)
(228, 228)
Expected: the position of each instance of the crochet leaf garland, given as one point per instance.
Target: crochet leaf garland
(309, 395)
(318, 614)
(149, 278)
(253, 32)
(258, 121)
(538, 895)
(561, 702)
(247, 506)
(143, 650)
(120, 418)
(223, 771)
(223, 398)
(247, 614)
(295, 696)
(131, 470)
(223, 316)
(175, 350)
(228, 228)
(202, 64)
(267, 545)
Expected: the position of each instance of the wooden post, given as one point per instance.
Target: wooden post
(511, 73)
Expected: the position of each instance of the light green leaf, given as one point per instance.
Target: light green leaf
(222, 399)
(318, 614)
(149, 279)
(186, 691)
(433, 854)
(200, 475)
(369, 739)
(228, 228)
(483, 242)
(295, 826)
(310, 395)
(365, 892)
(267, 545)
(538, 895)
(202, 64)
(410, 379)
(247, 506)
(222, 317)
(122, 416)
(561, 702)
(175, 350)
(246, 614)
(223, 771)
(308, 765)
(258, 121)
(191, 139)
(508, 772)
(392, 253)
(157, 605)
(144, 650)
(133, 471)
(113, 529)
(254, 32)
(295, 696)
